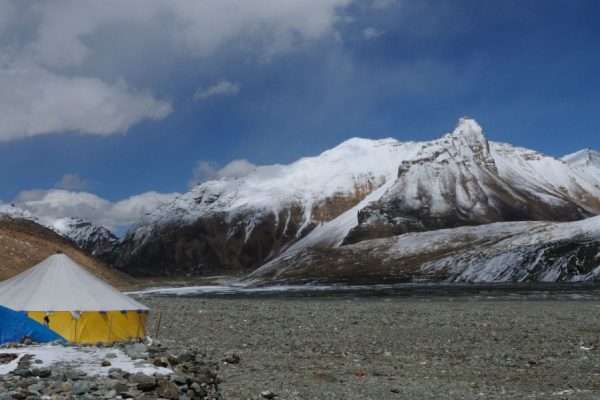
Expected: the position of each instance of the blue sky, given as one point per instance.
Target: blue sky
(118, 99)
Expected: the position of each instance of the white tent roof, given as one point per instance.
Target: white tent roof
(60, 284)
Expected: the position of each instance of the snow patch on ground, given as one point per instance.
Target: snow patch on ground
(85, 359)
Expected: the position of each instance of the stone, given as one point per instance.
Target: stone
(42, 372)
(8, 357)
(231, 358)
(116, 373)
(160, 362)
(140, 348)
(105, 363)
(167, 389)
(144, 382)
(185, 357)
(22, 372)
(19, 395)
(180, 378)
(74, 374)
(267, 394)
(120, 388)
(81, 387)
(136, 351)
(36, 387)
(199, 390)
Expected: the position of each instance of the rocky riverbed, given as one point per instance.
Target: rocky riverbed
(390, 349)
(149, 371)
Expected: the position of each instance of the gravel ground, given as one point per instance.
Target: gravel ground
(381, 349)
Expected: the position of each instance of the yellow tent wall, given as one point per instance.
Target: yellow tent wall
(95, 326)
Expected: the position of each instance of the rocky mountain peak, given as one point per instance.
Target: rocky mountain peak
(467, 130)
(12, 211)
(95, 239)
(587, 160)
(585, 157)
(467, 142)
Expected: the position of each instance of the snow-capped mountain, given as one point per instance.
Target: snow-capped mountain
(464, 179)
(361, 189)
(586, 160)
(238, 223)
(499, 252)
(12, 211)
(96, 240)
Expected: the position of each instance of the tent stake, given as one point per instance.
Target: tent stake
(157, 325)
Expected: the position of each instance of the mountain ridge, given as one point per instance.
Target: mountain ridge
(24, 243)
(361, 189)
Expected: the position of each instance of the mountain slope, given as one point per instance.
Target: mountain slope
(96, 240)
(360, 190)
(498, 252)
(24, 243)
(238, 223)
(586, 160)
(464, 179)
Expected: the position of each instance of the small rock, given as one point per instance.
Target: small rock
(22, 372)
(231, 358)
(36, 387)
(120, 388)
(105, 363)
(180, 378)
(144, 382)
(43, 372)
(116, 373)
(167, 389)
(267, 394)
(185, 357)
(19, 395)
(81, 387)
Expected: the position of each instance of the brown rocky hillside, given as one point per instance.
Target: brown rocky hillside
(24, 243)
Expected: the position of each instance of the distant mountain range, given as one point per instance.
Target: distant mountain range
(340, 215)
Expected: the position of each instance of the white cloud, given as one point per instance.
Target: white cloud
(237, 169)
(52, 204)
(45, 49)
(204, 171)
(221, 88)
(201, 27)
(210, 170)
(34, 101)
(371, 33)
(71, 182)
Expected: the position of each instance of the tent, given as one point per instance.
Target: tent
(14, 326)
(74, 303)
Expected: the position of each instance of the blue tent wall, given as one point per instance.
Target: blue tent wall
(14, 326)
